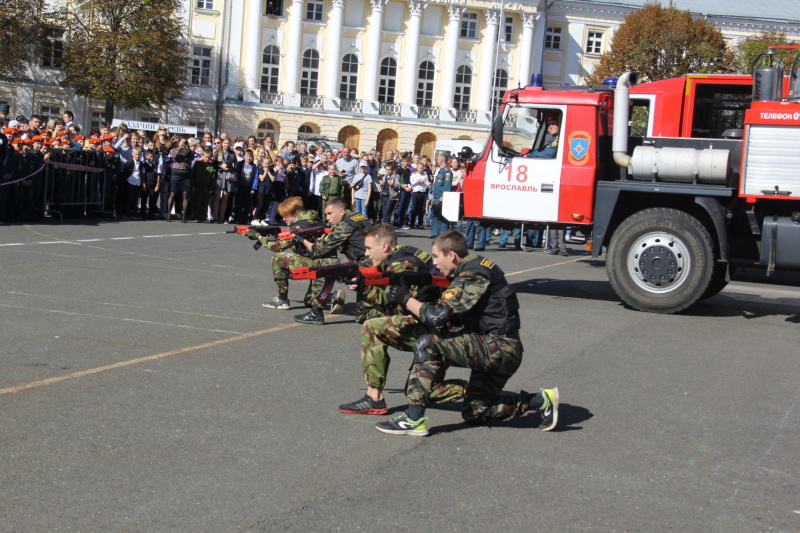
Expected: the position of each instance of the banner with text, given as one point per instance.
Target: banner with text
(152, 126)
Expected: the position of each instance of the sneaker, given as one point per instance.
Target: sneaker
(565, 254)
(337, 303)
(549, 409)
(406, 227)
(365, 406)
(314, 316)
(402, 425)
(277, 303)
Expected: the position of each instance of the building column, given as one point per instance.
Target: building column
(539, 33)
(448, 65)
(333, 50)
(291, 59)
(488, 55)
(412, 52)
(574, 71)
(526, 49)
(372, 62)
(252, 79)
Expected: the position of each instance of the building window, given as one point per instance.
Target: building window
(500, 88)
(309, 78)
(387, 81)
(201, 66)
(152, 119)
(53, 48)
(266, 128)
(463, 87)
(197, 123)
(469, 25)
(314, 10)
(594, 42)
(48, 112)
(274, 8)
(508, 30)
(425, 84)
(205, 4)
(98, 117)
(552, 38)
(269, 69)
(305, 129)
(347, 89)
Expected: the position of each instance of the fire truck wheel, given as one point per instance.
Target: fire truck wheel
(660, 260)
(718, 280)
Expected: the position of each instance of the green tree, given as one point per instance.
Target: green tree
(21, 22)
(125, 52)
(749, 49)
(664, 42)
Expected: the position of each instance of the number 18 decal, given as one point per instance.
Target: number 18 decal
(521, 175)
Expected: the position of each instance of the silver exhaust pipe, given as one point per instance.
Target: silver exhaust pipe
(619, 144)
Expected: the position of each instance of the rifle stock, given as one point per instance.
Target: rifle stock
(372, 276)
(308, 233)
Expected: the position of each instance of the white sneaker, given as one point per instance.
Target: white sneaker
(337, 303)
(277, 303)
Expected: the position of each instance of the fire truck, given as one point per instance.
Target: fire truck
(677, 181)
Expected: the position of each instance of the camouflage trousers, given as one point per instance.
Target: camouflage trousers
(399, 332)
(282, 265)
(493, 360)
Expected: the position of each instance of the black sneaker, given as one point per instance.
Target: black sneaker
(565, 254)
(549, 409)
(402, 425)
(365, 406)
(312, 317)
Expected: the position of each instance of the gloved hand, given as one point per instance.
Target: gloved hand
(300, 241)
(428, 293)
(398, 294)
(252, 235)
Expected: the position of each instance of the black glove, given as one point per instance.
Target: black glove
(428, 293)
(299, 240)
(252, 235)
(398, 294)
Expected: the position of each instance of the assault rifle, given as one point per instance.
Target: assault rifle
(369, 276)
(281, 234)
(264, 231)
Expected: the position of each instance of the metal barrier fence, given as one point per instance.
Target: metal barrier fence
(70, 187)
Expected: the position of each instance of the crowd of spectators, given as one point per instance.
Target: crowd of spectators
(212, 179)
(205, 178)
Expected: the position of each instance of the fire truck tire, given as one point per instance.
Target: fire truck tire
(718, 281)
(660, 260)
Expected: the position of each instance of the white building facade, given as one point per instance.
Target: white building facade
(383, 74)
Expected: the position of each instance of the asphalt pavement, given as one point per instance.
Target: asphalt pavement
(144, 388)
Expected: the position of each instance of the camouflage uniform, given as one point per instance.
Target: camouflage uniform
(289, 255)
(371, 301)
(345, 237)
(478, 341)
(384, 327)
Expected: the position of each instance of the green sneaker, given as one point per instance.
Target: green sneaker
(402, 425)
(549, 409)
